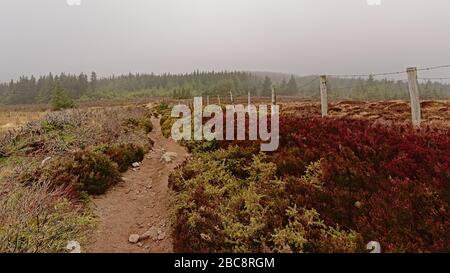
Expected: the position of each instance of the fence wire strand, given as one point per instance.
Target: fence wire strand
(308, 83)
(429, 68)
(433, 79)
(433, 67)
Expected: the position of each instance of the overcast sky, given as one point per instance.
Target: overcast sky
(295, 36)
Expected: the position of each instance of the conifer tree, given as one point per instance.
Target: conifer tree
(292, 87)
(267, 87)
(60, 99)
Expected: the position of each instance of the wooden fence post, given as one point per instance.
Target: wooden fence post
(218, 99)
(249, 100)
(324, 95)
(231, 97)
(414, 96)
(207, 100)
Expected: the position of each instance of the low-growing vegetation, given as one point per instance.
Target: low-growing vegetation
(14, 117)
(39, 219)
(389, 183)
(333, 185)
(81, 172)
(232, 201)
(55, 163)
(122, 154)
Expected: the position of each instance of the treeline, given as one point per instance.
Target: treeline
(29, 90)
(384, 89)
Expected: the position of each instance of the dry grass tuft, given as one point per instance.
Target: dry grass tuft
(39, 220)
(12, 119)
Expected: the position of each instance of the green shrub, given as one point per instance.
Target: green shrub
(84, 171)
(124, 154)
(166, 123)
(160, 108)
(306, 232)
(141, 123)
(131, 122)
(146, 125)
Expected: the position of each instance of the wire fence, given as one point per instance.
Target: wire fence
(330, 86)
(409, 84)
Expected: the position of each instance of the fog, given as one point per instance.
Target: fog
(294, 36)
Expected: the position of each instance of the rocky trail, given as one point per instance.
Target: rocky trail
(134, 215)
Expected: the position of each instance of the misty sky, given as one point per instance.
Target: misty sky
(295, 36)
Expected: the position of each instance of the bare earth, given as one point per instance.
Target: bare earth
(138, 203)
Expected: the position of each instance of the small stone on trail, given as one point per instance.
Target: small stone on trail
(140, 244)
(161, 236)
(136, 164)
(73, 247)
(168, 157)
(134, 238)
(151, 233)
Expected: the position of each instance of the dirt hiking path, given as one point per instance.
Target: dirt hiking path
(138, 204)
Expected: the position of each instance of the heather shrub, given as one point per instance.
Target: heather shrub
(161, 108)
(122, 154)
(388, 183)
(61, 133)
(230, 201)
(306, 232)
(146, 125)
(365, 181)
(166, 122)
(143, 123)
(91, 172)
(65, 131)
